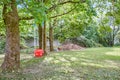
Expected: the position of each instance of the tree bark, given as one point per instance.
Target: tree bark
(12, 49)
(40, 36)
(44, 38)
(51, 37)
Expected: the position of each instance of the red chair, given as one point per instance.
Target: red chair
(38, 53)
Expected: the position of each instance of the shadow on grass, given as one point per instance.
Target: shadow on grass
(89, 64)
(25, 63)
(32, 61)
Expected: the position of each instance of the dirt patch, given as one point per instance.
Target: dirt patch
(70, 46)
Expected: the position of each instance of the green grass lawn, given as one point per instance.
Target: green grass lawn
(88, 64)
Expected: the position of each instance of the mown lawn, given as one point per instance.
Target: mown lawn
(88, 64)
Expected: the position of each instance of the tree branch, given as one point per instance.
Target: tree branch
(31, 17)
(54, 6)
(62, 13)
(26, 18)
(51, 8)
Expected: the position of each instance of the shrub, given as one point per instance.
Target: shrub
(83, 41)
(117, 44)
(2, 45)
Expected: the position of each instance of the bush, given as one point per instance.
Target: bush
(2, 45)
(117, 44)
(83, 41)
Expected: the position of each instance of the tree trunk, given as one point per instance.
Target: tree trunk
(51, 37)
(44, 38)
(12, 48)
(113, 38)
(40, 36)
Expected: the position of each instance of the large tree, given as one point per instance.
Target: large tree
(12, 48)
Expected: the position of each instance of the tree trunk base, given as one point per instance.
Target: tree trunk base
(10, 64)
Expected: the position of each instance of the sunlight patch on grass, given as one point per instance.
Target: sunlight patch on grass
(88, 64)
(1, 58)
(112, 64)
(2, 55)
(66, 55)
(114, 54)
(56, 61)
(63, 59)
(92, 64)
(26, 56)
(65, 69)
(67, 64)
(73, 59)
(49, 59)
(115, 48)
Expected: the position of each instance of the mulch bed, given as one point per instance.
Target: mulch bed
(70, 46)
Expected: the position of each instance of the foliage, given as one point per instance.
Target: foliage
(2, 26)
(91, 32)
(27, 29)
(95, 20)
(73, 25)
(117, 44)
(118, 34)
(85, 42)
(105, 24)
(2, 45)
(37, 9)
(2, 33)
